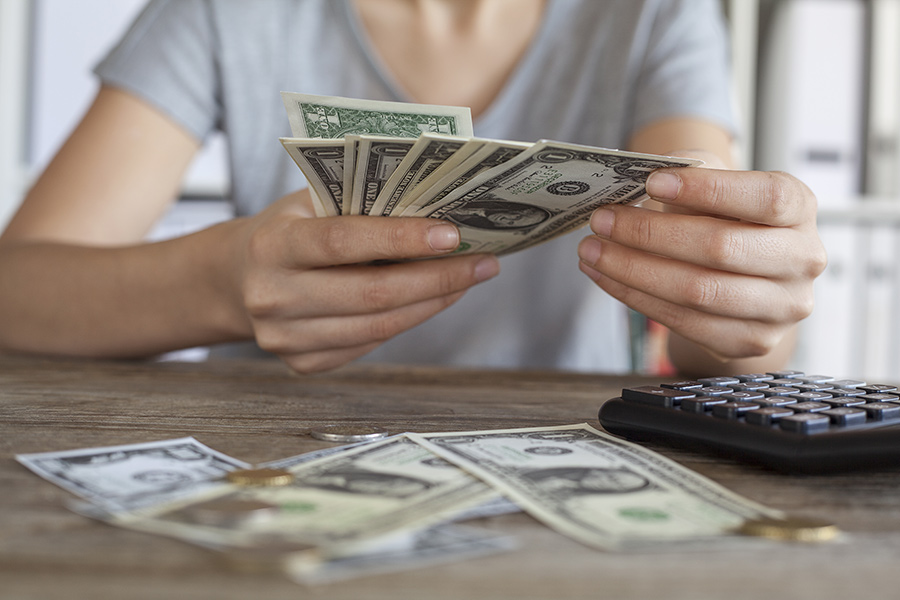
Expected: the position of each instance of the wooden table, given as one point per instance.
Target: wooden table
(258, 411)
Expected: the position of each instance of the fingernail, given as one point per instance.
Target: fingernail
(589, 250)
(663, 186)
(443, 237)
(487, 268)
(602, 222)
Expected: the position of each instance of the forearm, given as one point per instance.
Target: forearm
(119, 302)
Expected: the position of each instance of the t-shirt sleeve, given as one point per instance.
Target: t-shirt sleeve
(686, 70)
(167, 59)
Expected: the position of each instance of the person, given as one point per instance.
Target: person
(728, 267)
(498, 215)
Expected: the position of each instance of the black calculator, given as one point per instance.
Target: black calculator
(785, 420)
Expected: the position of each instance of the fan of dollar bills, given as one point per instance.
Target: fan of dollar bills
(364, 157)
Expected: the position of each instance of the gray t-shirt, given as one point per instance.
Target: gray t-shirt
(596, 71)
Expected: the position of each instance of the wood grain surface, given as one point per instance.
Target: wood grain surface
(259, 410)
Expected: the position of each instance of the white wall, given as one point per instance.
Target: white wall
(47, 51)
(14, 42)
(68, 38)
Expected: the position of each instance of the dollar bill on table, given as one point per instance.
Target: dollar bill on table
(494, 506)
(439, 544)
(599, 490)
(336, 501)
(298, 459)
(406, 549)
(409, 550)
(93, 511)
(136, 476)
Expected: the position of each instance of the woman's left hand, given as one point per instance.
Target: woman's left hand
(729, 266)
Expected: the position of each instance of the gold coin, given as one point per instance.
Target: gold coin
(255, 477)
(348, 433)
(794, 529)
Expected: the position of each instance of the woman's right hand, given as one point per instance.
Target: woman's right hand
(311, 296)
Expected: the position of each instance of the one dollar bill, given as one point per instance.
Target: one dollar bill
(338, 500)
(333, 117)
(126, 478)
(543, 192)
(594, 488)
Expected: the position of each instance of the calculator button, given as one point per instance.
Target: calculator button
(786, 374)
(682, 385)
(785, 382)
(813, 387)
(657, 396)
(814, 378)
(878, 388)
(768, 415)
(776, 401)
(722, 381)
(848, 383)
(754, 377)
(701, 404)
(749, 386)
(733, 410)
(844, 401)
(879, 397)
(846, 391)
(811, 407)
(744, 396)
(780, 390)
(845, 415)
(881, 411)
(712, 390)
(805, 422)
(812, 396)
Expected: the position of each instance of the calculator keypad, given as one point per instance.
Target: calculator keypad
(787, 400)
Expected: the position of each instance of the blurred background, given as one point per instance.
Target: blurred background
(817, 85)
